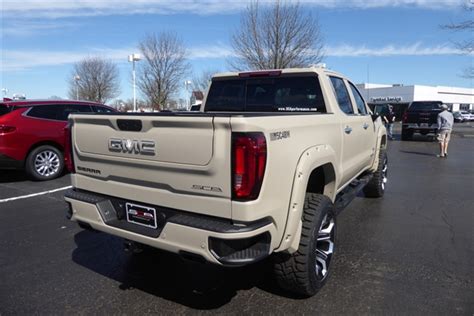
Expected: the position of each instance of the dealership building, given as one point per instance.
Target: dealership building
(400, 95)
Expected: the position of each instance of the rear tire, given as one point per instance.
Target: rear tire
(376, 186)
(44, 163)
(306, 271)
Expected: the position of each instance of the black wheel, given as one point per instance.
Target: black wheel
(376, 186)
(44, 163)
(306, 271)
(407, 134)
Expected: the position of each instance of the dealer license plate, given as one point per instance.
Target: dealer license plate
(141, 215)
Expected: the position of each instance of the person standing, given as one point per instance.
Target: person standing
(388, 118)
(445, 126)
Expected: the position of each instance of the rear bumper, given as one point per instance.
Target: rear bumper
(10, 163)
(214, 239)
(419, 127)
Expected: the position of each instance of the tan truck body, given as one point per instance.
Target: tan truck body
(191, 170)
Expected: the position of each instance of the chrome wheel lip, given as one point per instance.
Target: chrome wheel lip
(384, 173)
(47, 163)
(325, 246)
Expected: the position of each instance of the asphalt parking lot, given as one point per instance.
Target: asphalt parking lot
(409, 252)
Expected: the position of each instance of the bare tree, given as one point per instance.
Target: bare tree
(94, 79)
(466, 46)
(164, 66)
(201, 82)
(277, 35)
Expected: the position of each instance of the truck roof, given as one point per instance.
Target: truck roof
(317, 70)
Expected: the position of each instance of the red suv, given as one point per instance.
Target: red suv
(32, 134)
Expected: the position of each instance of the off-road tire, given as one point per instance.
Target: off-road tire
(376, 186)
(298, 273)
(407, 134)
(57, 160)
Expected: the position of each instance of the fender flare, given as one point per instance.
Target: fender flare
(311, 159)
(381, 137)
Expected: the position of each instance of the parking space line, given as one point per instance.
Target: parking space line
(34, 194)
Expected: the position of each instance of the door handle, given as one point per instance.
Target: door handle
(365, 126)
(348, 130)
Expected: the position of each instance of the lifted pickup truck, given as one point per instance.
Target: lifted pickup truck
(421, 117)
(261, 170)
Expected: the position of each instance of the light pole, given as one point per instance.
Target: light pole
(5, 91)
(76, 80)
(133, 58)
(187, 86)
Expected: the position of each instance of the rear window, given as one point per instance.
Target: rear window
(286, 94)
(4, 109)
(425, 106)
(59, 112)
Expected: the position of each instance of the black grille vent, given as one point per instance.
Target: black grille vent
(130, 125)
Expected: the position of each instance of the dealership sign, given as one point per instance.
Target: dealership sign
(386, 99)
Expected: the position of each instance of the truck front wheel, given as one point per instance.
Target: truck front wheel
(306, 271)
(376, 186)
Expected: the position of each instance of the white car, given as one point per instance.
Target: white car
(467, 116)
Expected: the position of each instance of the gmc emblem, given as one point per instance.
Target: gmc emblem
(129, 146)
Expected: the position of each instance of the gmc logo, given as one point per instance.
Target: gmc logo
(129, 146)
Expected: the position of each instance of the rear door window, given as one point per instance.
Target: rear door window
(342, 95)
(282, 94)
(101, 109)
(72, 108)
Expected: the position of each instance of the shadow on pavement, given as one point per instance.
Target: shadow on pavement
(12, 176)
(163, 274)
(418, 153)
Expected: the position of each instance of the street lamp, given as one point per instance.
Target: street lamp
(133, 58)
(76, 80)
(187, 86)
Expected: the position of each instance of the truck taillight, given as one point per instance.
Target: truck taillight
(5, 129)
(249, 157)
(68, 156)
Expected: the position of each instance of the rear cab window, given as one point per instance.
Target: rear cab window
(269, 94)
(425, 105)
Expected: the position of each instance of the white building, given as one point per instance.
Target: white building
(400, 95)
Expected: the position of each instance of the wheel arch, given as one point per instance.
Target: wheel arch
(316, 172)
(44, 143)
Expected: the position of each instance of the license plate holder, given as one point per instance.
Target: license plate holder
(141, 215)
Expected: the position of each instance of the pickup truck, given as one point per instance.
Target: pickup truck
(261, 170)
(421, 117)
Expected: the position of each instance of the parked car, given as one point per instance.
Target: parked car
(458, 117)
(467, 116)
(32, 134)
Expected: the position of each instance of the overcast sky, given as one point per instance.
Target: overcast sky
(398, 41)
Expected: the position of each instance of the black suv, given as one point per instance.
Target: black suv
(421, 117)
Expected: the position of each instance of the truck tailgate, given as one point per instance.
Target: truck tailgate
(162, 160)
